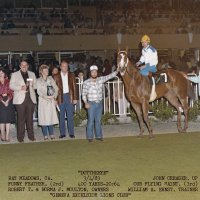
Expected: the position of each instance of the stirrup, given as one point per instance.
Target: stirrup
(165, 77)
(153, 80)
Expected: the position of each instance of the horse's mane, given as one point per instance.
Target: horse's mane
(134, 69)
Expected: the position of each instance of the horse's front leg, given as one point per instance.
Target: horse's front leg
(145, 110)
(138, 110)
(185, 111)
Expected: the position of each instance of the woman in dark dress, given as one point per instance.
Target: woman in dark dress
(7, 113)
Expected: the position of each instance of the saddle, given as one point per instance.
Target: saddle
(158, 77)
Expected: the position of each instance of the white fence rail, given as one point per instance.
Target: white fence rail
(115, 101)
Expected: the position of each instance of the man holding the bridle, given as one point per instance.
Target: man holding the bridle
(92, 95)
(149, 59)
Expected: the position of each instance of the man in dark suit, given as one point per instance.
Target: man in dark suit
(67, 98)
(23, 83)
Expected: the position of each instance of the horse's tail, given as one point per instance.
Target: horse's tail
(190, 91)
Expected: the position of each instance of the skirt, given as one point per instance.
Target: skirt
(7, 114)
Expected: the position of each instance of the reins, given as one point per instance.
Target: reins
(127, 64)
(129, 72)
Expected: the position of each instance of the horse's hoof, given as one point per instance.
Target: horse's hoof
(183, 131)
(180, 130)
(151, 137)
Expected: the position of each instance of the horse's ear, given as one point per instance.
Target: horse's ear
(118, 50)
(127, 49)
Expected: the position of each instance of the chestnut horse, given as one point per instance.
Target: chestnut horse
(138, 90)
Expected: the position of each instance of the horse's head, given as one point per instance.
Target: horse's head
(122, 61)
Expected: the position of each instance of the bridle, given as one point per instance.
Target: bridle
(129, 73)
(126, 65)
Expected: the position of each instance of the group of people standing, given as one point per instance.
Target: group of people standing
(18, 94)
(57, 95)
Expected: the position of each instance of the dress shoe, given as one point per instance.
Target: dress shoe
(99, 139)
(72, 136)
(52, 137)
(90, 140)
(21, 141)
(62, 136)
(46, 138)
(32, 139)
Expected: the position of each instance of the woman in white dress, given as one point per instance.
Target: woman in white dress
(47, 91)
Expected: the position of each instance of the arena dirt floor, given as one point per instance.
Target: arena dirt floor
(121, 167)
(119, 130)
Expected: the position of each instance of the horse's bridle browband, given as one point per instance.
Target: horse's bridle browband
(126, 64)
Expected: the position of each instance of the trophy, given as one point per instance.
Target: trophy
(29, 82)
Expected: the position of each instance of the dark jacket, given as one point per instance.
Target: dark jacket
(72, 87)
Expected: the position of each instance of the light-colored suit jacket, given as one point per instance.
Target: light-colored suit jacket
(16, 82)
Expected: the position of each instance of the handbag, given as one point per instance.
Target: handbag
(50, 90)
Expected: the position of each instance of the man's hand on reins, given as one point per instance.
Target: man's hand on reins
(118, 69)
(138, 64)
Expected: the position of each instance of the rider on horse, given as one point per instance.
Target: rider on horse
(149, 58)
